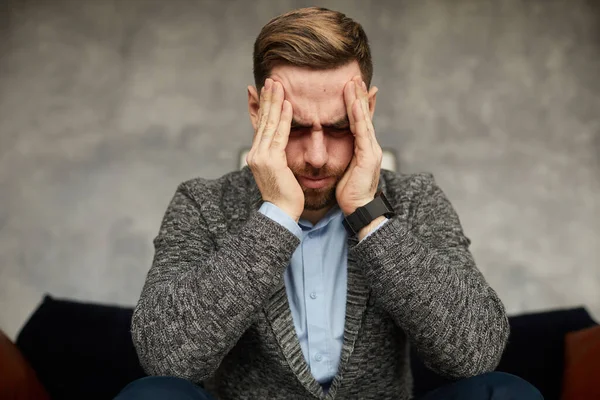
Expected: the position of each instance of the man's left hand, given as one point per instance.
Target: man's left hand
(359, 184)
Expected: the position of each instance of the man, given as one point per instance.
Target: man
(307, 274)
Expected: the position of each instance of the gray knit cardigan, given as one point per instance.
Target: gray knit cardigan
(214, 307)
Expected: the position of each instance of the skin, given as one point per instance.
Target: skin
(315, 123)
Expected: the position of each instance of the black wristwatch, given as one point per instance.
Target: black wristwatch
(364, 215)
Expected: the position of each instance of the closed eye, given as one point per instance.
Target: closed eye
(298, 130)
(338, 132)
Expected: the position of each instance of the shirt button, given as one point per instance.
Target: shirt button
(313, 295)
(318, 358)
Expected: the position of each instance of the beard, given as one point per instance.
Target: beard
(318, 199)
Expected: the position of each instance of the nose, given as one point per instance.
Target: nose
(315, 152)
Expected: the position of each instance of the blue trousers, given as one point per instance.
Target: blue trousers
(490, 386)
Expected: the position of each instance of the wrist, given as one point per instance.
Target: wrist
(368, 217)
(293, 215)
(347, 210)
(278, 215)
(289, 211)
(369, 228)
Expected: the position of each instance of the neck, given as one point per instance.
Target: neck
(315, 216)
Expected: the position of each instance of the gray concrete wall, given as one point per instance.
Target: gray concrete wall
(106, 105)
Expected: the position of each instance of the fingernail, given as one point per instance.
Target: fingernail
(364, 85)
(268, 84)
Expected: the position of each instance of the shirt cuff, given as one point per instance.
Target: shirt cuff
(376, 228)
(278, 215)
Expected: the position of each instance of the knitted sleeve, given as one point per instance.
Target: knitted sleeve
(199, 298)
(421, 271)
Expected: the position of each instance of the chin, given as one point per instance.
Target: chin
(318, 199)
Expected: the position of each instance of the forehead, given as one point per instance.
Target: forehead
(315, 95)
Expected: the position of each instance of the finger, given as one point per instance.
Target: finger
(260, 113)
(282, 136)
(263, 114)
(361, 94)
(273, 118)
(265, 103)
(369, 95)
(349, 98)
(361, 133)
(265, 96)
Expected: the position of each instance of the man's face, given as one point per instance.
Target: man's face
(321, 144)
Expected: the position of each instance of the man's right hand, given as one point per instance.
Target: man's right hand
(267, 159)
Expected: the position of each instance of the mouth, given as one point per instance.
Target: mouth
(314, 183)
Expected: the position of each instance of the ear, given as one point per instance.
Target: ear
(372, 100)
(253, 106)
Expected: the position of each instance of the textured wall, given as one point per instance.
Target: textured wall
(106, 105)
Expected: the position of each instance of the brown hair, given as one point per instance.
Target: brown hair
(311, 37)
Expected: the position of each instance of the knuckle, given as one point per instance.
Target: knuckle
(270, 125)
(258, 160)
(262, 123)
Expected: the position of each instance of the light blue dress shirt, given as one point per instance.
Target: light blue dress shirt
(315, 283)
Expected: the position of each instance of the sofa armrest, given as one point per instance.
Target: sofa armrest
(80, 350)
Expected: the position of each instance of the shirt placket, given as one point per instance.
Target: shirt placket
(314, 298)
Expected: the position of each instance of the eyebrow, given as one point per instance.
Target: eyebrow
(343, 123)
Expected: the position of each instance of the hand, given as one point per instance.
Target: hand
(359, 184)
(267, 159)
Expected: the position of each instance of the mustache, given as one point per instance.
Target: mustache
(312, 172)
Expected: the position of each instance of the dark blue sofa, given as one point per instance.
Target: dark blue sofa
(84, 351)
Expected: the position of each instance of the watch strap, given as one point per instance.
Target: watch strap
(366, 214)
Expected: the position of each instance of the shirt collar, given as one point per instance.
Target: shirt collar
(332, 214)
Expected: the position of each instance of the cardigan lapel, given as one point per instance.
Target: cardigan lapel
(357, 296)
(357, 299)
(280, 317)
